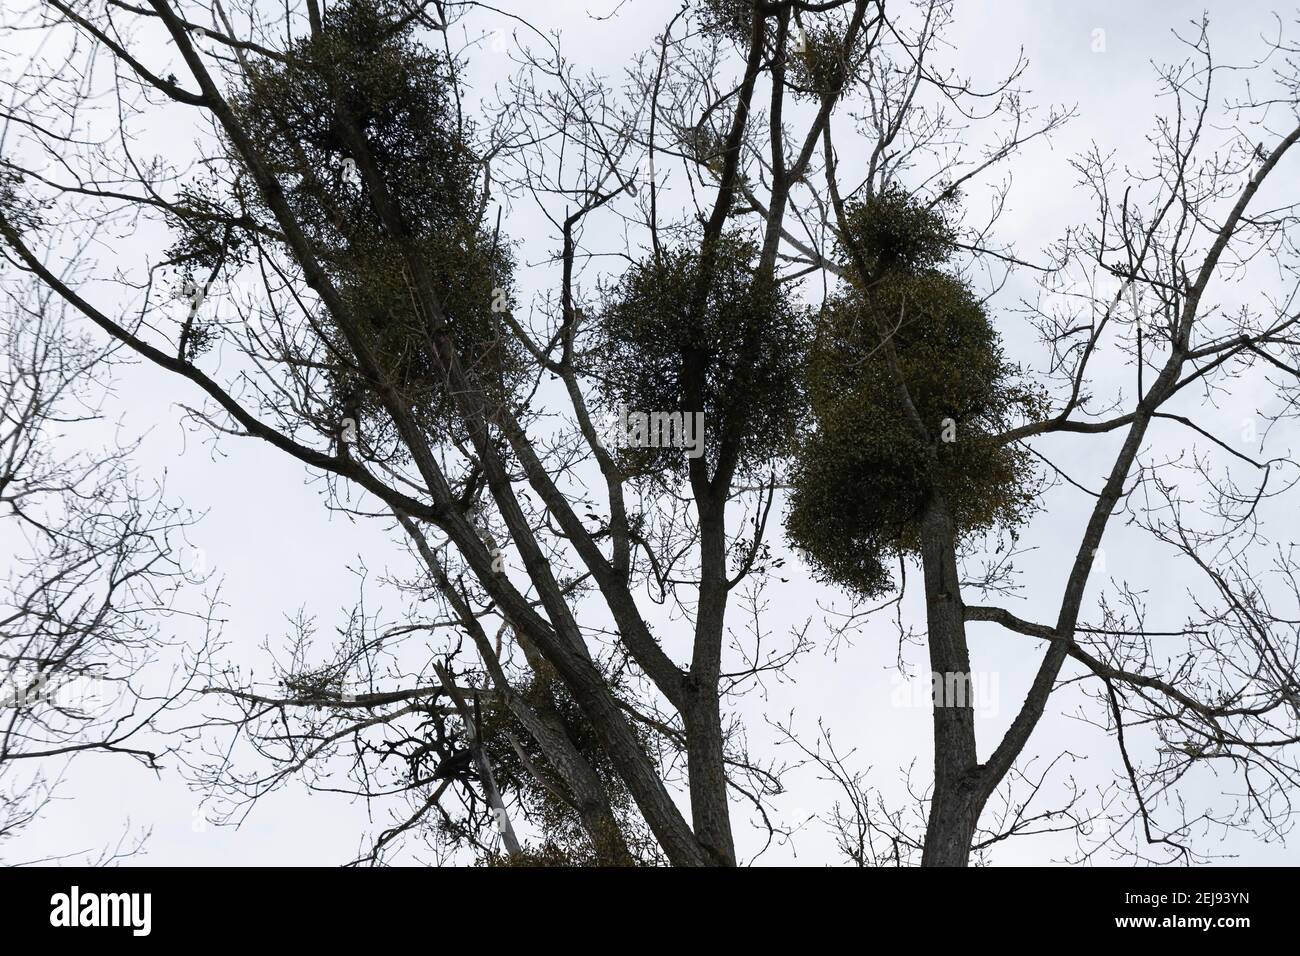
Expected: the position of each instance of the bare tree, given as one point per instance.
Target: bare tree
(86, 665)
(1219, 689)
(340, 238)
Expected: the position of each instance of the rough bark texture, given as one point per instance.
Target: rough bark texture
(955, 806)
(702, 715)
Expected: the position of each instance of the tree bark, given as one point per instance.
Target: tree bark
(710, 814)
(702, 713)
(955, 805)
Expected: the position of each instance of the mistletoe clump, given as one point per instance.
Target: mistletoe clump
(891, 234)
(415, 195)
(864, 472)
(817, 61)
(365, 73)
(515, 755)
(703, 331)
(731, 18)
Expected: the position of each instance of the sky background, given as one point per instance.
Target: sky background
(273, 548)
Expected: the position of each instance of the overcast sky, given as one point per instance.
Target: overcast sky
(271, 545)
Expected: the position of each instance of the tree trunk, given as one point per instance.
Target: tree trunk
(702, 713)
(956, 803)
(706, 767)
